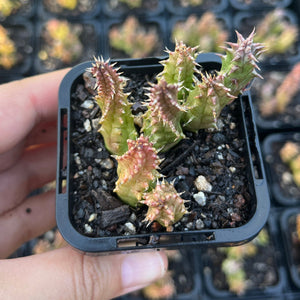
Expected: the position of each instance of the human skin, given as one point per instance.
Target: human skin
(28, 114)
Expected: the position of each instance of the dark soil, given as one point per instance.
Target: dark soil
(294, 242)
(217, 155)
(83, 6)
(280, 170)
(261, 269)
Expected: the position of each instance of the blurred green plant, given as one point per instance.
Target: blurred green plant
(8, 51)
(133, 39)
(207, 32)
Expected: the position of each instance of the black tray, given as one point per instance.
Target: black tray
(218, 237)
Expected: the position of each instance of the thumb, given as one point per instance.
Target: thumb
(67, 274)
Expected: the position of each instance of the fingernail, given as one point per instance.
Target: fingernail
(140, 269)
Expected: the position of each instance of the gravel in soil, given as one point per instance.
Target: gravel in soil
(216, 156)
(295, 243)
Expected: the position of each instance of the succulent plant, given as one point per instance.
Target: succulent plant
(284, 94)
(211, 95)
(61, 41)
(164, 205)
(137, 170)
(117, 123)
(132, 38)
(290, 155)
(8, 51)
(132, 3)
(191, 2)
(162, 120)
(67, 4)
(276, 33)
(8, 7)
(207, 32)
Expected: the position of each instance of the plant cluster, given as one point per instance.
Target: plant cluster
(62, 41)
(206, 32)
(284, 94)
(132, 3)
(191, 2)
(290, 155)
(8, 51)
(8, 7)
(232, 266)
(67, 4)
(133, 39)
(276, 33)
(179, 101)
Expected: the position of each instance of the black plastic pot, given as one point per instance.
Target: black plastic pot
(148, 8)
(292, 251)
(258, 191)
(259, 5)
(286, 121)
(275, 290)
(245, 21)
(275, 168)
(176, 8)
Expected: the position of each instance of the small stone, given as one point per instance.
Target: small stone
(219, 138)
(199, 224)
(88, 228)
(92, 217)
(287, 177)
(77, 159)
(232, 169)
(189, 225)
(232, 125)
(88, 104)
(132, 217)
(200, 198)
(87, 125)
(202, 184)
(107, 163)
(220, 156)
(95, 123)
(130, 228)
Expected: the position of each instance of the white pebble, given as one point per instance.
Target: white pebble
(220, 156)
(199, 224)
(232, 169)
(88, 228)
(200, 198)
(87, 125)
(95, 123)
(202, 184)
(89, 104)
(287, 177)
(130, 228)
(92, 217)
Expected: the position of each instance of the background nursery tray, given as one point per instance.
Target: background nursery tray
(257, 190)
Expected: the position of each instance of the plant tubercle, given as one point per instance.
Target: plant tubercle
(178, 101)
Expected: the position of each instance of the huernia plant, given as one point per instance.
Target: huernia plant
(207, 32)
(284, 94)
(132, 3)
(67, 4)
(276, 33)
(133, 39)
(179, 100)
(8, 7)
(117, 123)
(137, 170)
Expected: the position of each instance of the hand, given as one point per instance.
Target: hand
(28, 113)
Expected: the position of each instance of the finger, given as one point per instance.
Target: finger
(36, 168)
(25, 103)
(66, 274)
(32, 218)
(44, 133)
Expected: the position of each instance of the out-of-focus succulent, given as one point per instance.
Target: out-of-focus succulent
(207, 32)
(8, 7)
(298, 226)
(163, 288)
(191, 2)
(162, 120)
(290, 154)
(132, 38)
(117, 122)
(284, 94)
(8, 51)
(62, 41)
(132, 3)
(164, 205)
(67, 4)
(137, 170)
(276, 33)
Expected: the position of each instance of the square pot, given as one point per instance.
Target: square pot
(284, 191)
(97, 241)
